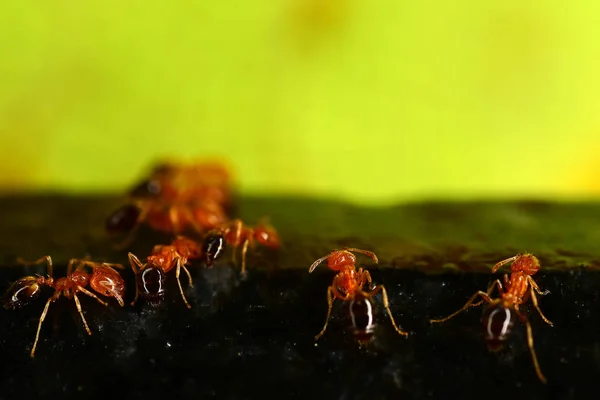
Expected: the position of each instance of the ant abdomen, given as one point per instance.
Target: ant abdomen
(21, 293)
(362, 316)
(151, 284)
(123, 219)
(498, 322)
(213, 246)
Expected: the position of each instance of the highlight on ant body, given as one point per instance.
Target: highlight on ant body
(236, 234)
(151, 276)
(104, 280)
(348, 286)
(501, 313)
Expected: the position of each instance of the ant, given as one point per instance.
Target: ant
(150, 277)
(170, 217)
(236, 234)
(348, 286)
(173, 198)
(104, 280)
(499, 315)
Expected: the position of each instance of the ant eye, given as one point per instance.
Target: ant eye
(107, 292)
(147, 189)
(123, 219)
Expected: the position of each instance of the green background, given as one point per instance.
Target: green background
(373, 101)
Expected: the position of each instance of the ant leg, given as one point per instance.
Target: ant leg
(132, 233)
(536, 364)
(469, 303)
(330, 299)
(85, 291)
(190, 284)
(87, 328)
(501, 263)
(238, 234)
(386, 304)
(536, 287)
(177, 270)
(192, 220)
(175, 221)
(134, 261)
(42, 317)
(491, 289)
(244, 251)
(45, 259)
(365, 252)
(367, 277)
(537, 307)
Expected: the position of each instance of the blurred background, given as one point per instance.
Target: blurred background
(371, 101)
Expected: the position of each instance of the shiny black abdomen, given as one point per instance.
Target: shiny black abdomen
(498, 322)
(123, 219)
(151, 284)
(362, 315)
(21, 293)
(213, 246)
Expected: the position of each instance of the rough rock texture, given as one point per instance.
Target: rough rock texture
(247, 338)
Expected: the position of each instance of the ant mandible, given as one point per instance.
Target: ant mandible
(104, 280)
(348, 286)
(498, 317)
(236, 234)
(150, 277)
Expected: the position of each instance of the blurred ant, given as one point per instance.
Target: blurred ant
(104, 280)
(348, 286)
(173, 199)
(499, 315)
(235, 233)
(150, 277)
(173, 218)
(197, 180)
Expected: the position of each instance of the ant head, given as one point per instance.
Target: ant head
(527, 263)
(108, 282)
(267, 236)
(151, 283)
(340, 259)
(123, 219)
(163, 168)
(213, 246)
(498, 320)
(21, 292)
(148, 189)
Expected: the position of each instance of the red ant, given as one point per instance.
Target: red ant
(104, 280)
(236, 234)
(150, 277)
(348, 286)
(173, 199)
(498, 317)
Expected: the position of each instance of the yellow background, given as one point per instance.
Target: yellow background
(374, 101)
